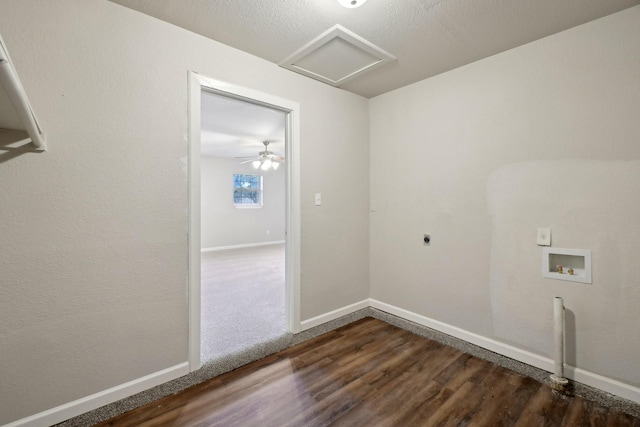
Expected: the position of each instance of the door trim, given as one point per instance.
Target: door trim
(198, 83)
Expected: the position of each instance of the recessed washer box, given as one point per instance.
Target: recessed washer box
(559, 263)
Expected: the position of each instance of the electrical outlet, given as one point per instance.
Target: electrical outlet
(544, 237)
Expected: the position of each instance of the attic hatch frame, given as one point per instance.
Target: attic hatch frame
(16, 94)
(323, 47)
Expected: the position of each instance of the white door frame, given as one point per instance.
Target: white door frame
(198, 83)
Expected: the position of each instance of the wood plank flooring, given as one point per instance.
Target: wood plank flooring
(370, 373)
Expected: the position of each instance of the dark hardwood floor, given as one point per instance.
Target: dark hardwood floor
(370, 373)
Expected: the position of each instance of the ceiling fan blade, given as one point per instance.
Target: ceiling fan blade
(275, 157)
(249, 161)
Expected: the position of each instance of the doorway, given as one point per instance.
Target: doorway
(202, 89)
(242, 225)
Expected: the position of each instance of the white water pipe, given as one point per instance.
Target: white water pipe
(558, 381)
(558, 334)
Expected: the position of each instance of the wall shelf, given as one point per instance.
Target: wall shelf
(578, 260)
(15, 110)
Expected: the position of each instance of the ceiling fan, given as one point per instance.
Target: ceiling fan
(266, 159)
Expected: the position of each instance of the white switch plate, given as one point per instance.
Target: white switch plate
(544, 237)
(318, 199)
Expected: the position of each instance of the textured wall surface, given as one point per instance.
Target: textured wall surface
(590, 205)
(225, 225)
(93, 259)
(545, 135)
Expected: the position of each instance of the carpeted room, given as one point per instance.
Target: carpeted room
(243, 300)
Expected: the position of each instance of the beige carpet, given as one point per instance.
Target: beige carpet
(243, 299)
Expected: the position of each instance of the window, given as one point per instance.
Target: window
(247, 191)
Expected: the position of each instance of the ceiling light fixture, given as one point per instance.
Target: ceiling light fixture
(265, 164)
(266, 159)
(351, 3)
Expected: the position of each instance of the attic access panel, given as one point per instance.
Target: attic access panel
(336, 56)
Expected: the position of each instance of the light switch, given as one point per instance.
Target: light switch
(544, 237)
(318, 199)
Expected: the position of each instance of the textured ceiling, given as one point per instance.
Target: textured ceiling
(427, 36)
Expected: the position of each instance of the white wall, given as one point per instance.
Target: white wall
(545, 135)
(93, 258)
(222, 224)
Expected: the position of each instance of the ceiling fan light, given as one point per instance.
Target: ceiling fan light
(266, 165)
(256, 164)
(351, 3)
(275, 165)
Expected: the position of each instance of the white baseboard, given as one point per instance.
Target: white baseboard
(479, 340)
(332, 315)
(94, 401)
(603, 383)
(600, 382)
(246, 245)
